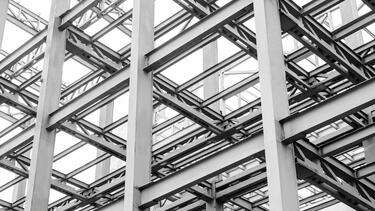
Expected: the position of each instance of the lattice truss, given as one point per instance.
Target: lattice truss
(329, 57)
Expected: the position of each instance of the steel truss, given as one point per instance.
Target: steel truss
(215, 157)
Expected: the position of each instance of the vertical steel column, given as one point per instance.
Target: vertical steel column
(211, 87)
(20, 188)
(369, 144)
(211, 83)
(281, 171)
(3, 17)
(214, 205)
(349, 12)
(138, 154)
(44, 140)
(105, 118)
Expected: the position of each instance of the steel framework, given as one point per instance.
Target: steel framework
(296, 135)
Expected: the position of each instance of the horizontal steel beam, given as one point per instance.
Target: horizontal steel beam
(196, 33)
(22, 51)
(348, 141)
(359, 97)
(72, 14)
(108, 86)
(21, 139)
(202, 170)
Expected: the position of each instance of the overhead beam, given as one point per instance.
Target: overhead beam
(202, 170)
(107, 87)
(359, 97)
(348, 141)
(22, 51)
(21, 139)
(322, 43)
(195, 34)
(72, 14)
(370, 3)
(316, 7)
(334, 178)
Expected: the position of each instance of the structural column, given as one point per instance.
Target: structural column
(20, 188)
(44, 140)
(281, 171)
(3, 17)
(349, 12)
(210, 88)
(369, 144)
(139, 142)
(214, 205)
(211, 83)
(105, 118)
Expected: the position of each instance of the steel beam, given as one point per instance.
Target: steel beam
(370, 3)
(359, 97)
(109, 86)
(334, 178)
(202, 170)
(22, 51)
(71, 15)
(193, 35)
(21, 139)
(348, 141)
(317, 7)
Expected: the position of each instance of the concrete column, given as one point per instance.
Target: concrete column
(3, 17)
(281, 171)
(139, 142)
(105, 118)
(44, 140)
(349, 12)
